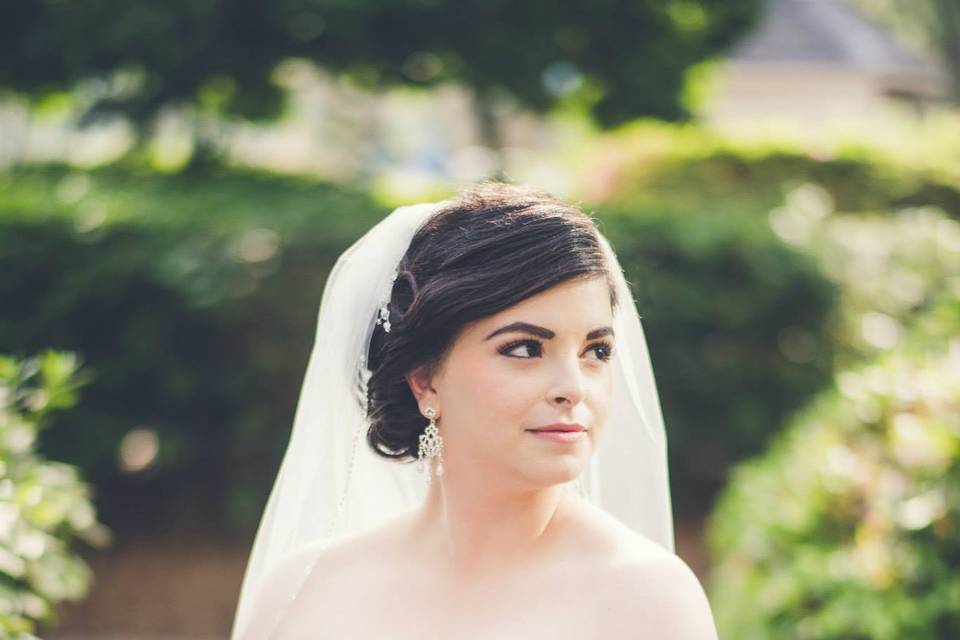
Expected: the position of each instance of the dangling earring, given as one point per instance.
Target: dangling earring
(431, 445)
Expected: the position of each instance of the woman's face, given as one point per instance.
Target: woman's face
(545, 360)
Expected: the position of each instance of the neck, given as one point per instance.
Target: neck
(480, 527)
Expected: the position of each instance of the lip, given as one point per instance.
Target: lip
(564, 437)
(559, 427)
(563, 432)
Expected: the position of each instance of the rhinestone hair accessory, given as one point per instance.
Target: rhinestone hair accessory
(383, 315)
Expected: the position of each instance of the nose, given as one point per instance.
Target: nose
(568, 386)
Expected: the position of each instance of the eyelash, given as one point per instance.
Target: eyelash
(505, 349)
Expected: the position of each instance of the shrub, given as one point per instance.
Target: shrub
(888, 266)
(738, 332)
(849, 527)
(683, 169)
(193, 299)
(44, 506)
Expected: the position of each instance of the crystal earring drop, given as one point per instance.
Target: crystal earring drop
(431, 446)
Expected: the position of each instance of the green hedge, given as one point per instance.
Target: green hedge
(738, 331)
(194, 300)
(849, 527)
(685, 169)
(881, 229)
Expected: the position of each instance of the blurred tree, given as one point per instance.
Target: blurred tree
(618, 59)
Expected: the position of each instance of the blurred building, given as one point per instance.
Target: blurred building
(820, 61)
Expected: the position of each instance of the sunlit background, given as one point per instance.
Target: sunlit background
(780, 178)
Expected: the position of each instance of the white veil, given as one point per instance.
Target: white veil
(331, 484)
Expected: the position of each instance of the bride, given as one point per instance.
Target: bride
(492, 340)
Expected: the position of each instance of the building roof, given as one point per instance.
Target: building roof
(828, 32)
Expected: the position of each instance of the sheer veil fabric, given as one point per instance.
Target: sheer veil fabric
(331, 485)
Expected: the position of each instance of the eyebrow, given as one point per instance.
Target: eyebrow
(545, 333)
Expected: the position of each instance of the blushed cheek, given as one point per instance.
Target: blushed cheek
(601, 402)
(493, 387)
(472, 387)
(500, 397)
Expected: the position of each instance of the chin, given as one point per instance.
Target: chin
(559, 470)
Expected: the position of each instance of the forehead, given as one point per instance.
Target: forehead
(570, 306)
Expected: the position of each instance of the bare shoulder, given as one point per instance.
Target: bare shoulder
(659, 598)
(643, 589)
(296, 572)
(280, 585)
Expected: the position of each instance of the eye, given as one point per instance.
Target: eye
(510, 346)
(604, 350)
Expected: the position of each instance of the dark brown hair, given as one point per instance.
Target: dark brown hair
(486, 249)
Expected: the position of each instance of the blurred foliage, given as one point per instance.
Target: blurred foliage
(726, 307)
(222, 202)
(194, 298)
(44, 505)
(889, 266)
(849, 527)
(660, 167)
(877, 243)
(618, 59)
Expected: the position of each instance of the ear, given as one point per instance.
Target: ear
(420, 380)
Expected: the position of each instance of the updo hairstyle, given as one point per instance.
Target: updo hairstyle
(486, 249)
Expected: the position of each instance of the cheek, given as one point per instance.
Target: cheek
(601, 397)
(496, 388)
(485, 392)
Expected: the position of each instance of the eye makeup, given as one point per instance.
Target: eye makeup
(605, 355)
